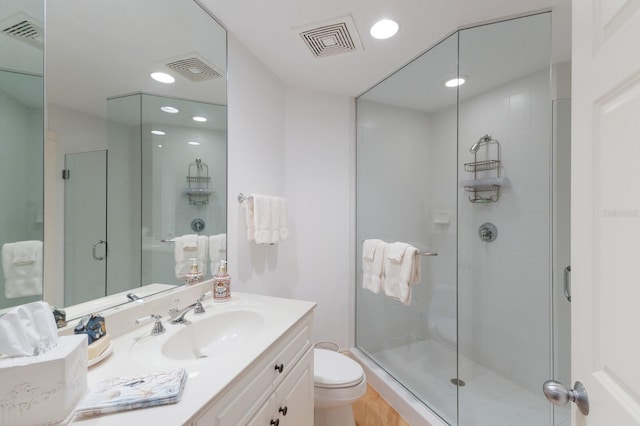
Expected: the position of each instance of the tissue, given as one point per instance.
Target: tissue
(27, 330)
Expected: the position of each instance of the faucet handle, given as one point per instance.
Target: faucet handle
(158, 328)
(199, 309)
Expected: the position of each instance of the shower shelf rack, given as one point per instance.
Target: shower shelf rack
(198, 181)
(485, 184)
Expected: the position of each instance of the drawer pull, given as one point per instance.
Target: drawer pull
(279, 367)
(275, 422)
(283, 411)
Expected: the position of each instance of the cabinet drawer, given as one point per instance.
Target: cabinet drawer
(299, 342)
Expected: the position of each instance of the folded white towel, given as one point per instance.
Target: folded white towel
(399, 275)
(217, 251)
(22, 267)
(183, 255)
(266, 218)
(190, 242)
(373, 254)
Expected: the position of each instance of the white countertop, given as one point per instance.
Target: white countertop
(207, 377)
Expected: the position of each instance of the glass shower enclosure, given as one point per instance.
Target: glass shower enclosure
(454, 157)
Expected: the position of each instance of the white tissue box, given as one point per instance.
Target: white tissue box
(44, 389)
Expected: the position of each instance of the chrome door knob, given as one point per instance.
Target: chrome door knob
(559, 394)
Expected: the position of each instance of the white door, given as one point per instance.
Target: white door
(605, 200)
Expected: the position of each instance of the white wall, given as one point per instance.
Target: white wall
(298, 144)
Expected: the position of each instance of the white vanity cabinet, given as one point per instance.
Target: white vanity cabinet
(276, 390)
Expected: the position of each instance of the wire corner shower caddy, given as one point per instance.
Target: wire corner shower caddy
(198, 181)
(486, 181)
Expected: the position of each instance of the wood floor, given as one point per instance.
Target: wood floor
(373, 410)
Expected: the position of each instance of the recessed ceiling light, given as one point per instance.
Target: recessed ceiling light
(193, 143)
(159, 146)
(199, 118)
(158, 132)
(169, 109)
(162, 77)
(456, 81)
(384, 28)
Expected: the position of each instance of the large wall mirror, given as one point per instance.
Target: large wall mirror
(117, 165)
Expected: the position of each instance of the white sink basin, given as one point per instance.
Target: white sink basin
(217, 332)
(211, 335)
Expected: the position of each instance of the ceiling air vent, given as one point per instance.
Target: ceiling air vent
(24, 28)
(331, 38)
(194, 69)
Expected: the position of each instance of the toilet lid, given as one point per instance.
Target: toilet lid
(334, 370)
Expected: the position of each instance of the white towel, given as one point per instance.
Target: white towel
(190, 242)
(266, 218)
(372, 260)
(183, 255)
(217, 251)
(401, 269)
(22, 266)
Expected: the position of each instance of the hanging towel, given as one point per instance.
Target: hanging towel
(372, 261)
(401, 269)
(22, 266)
(266, 218)
(217, 251)
(190, 242)
(184, 254)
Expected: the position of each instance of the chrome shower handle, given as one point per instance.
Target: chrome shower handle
(567, 283)
(94, 250)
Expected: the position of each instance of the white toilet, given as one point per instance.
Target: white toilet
(339, 381)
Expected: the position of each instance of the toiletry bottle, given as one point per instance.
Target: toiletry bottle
(222, 284)
(193, 276)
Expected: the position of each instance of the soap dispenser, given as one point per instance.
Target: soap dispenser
(194, 275)
(222, 284)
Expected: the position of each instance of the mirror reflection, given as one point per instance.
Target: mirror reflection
(21, 155)
(119, 190)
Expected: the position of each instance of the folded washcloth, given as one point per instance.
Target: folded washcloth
(266, 218)
(183, 255)
(217, 251)
(22, 267)
(373, 253)
(400, 271)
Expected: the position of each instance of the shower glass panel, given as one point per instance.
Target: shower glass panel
(504, 286)
(406, 192)
(468, 172)
(172, 205)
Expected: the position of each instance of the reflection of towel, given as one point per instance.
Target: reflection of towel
(401, 269)
(184, 254)
(217, 251)
(266, 219)
(22, 266)
(372, 261)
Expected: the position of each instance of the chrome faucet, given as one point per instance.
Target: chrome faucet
(177, 316)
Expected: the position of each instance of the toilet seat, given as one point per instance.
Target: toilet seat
(333, 370)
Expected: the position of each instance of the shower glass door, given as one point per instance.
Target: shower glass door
(504, 284)
(406, 192)
(85, 227)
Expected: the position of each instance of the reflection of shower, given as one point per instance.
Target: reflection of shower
(482, 141)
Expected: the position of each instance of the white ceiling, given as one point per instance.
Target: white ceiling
(265, 28)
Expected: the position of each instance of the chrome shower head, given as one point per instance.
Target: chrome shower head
(483, 140)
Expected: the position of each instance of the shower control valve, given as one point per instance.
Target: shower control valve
(488, 232)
